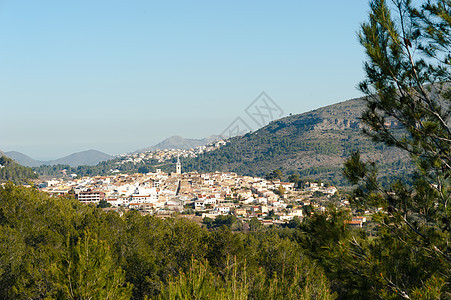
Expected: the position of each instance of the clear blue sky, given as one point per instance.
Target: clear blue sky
(117, 76)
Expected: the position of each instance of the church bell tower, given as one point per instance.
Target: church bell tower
(178, 166)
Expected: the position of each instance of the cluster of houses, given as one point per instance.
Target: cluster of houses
(206, 194)
(168, 154)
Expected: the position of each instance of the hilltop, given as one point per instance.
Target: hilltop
(88, 157)
(24, 159)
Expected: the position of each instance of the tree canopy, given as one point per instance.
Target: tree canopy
(12, 171)
(58, 248)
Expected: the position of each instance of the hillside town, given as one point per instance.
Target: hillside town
(201, 194)
(162, 155)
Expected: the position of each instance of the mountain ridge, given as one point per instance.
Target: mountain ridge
(88, 157)
(93, 157)
(24, 159)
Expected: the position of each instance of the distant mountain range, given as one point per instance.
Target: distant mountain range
(89, 157)
(178, 142)
(23, 159)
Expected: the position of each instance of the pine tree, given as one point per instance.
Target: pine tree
(408, 107)
(88, 272)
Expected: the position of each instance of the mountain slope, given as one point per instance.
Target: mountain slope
(89, 158)
(178, 142)
(12, 171)
(23, 159)
(313, 144)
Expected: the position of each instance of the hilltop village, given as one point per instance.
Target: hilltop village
(202, 195)
(162, 155)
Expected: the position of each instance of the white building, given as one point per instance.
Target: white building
(91, 197)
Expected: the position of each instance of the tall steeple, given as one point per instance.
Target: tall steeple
(178, 166)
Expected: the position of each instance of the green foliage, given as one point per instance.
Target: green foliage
(254, 224)
(407, 70)
(274, 175)
(56, 247)
(87, 271)
(260, 154)
(342, 254)
(103, 204)
(59, 248)
(294, 223)
(322, 231)
(280, 190)
(230, 221)
(294, 178)
(38, 226)
(306, 282)
(11, 171)
(317, 194)
(200, 283)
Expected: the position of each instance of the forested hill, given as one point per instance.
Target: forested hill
(12, 171)
(313, 144)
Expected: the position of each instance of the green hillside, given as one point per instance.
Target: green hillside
(314, 144)
(11, 171)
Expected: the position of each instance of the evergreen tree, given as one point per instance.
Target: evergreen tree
(88, 272)
(408, 107)
(103, 204)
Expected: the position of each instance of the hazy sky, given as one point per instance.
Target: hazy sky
(117, 76)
